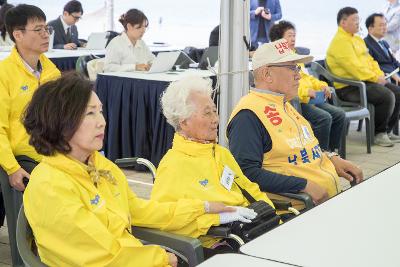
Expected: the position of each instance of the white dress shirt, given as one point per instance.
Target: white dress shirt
(65, 25)
(122, 55)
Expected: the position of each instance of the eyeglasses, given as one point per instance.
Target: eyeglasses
(296, 68)
(41, 30)
(76, 17)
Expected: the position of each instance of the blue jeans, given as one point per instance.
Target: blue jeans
(327, 122)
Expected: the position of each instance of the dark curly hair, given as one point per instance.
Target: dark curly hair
(55, 113)
(278, 30)
(134, 17)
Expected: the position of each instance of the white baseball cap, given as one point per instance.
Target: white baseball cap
(277, 52)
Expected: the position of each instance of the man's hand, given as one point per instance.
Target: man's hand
(259, 10)
(396, 78)
(172, 259)
(15, 179)
(327, 92)
(317, 193)
(142, 67)
(381, 80)
(266, 16)
(70, 46)
(347, 170)
(311, 93)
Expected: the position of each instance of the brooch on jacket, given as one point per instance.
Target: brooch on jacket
(96, 174)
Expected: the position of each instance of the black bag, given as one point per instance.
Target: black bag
(265, 220)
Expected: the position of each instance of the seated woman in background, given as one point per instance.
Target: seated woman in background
(77, 202)
(196, 167)
(127, 52)
(327, 121)
(4, 37)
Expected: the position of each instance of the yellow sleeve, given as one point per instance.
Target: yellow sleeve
(68, 234)
(165, 190)
(7, 159)
(347, 59)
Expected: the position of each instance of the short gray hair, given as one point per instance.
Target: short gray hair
(174, 100)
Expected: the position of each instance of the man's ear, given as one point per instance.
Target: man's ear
(17, 35)
(267, 75)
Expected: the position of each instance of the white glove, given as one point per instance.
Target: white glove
(241, 214)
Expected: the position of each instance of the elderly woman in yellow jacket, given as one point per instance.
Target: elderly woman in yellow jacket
(77, 202)
(196, 167)
(327, 121)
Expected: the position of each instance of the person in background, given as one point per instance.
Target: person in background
(263, 14)
(347, 57)
(4, 37)
(391, 12)
(20, 74)
(379, 48)
(65, 30)
(198, 168)
(327, 121)
(128, 52)
(78, 203)
(273, 144)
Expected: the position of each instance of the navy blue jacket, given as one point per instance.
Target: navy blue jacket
(248, 141)
(276, 14)
(386, 63)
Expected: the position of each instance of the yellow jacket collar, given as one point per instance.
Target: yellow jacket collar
(76, 168)
(343, 32)
(16, 57)
(265, 93)
(192, 148)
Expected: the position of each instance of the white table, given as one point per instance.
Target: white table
(238, 260)
(360, 227)
(61, 53)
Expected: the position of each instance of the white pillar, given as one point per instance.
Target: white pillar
(233, 57)
(109, 15)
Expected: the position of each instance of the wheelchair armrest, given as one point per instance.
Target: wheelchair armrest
(190, 248)
(304, 197)
(219, 231)
(130, 162)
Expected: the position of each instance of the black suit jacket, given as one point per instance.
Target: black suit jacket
(60, 38)
(386, 63)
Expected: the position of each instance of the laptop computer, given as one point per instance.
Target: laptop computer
(210, 53)
(184, 60)
(96, 41)
(164, 62)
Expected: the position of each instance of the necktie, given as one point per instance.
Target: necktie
(69, 35)
(384, 48)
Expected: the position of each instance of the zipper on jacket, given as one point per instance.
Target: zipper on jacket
(297, 127)
(301, 141)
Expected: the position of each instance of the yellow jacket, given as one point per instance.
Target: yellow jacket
(306, 83)
(76, 223)
(17, 86)
(192, 170)
(348, 57)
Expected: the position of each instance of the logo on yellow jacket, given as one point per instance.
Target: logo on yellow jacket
(24, 88)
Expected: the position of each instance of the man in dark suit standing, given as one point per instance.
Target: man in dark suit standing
(380, 50)
(65, 30)
(378, 47)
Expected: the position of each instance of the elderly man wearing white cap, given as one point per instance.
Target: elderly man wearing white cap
(273, 144)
